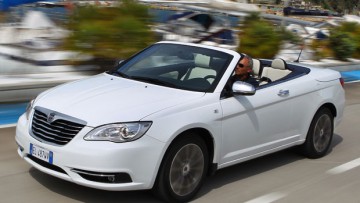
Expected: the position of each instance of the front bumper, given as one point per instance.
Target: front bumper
(95, 164)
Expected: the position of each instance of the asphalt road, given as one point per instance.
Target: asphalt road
(281, 177)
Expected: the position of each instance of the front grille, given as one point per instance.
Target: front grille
(58, 132)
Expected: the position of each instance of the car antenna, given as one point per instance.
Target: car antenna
(302, 47)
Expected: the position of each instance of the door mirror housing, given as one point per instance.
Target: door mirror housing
(243, 88)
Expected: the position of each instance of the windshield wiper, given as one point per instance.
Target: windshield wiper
(117, 73)
(153, 81)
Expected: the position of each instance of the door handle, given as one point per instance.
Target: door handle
(283, 93)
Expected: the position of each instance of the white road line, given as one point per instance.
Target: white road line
(344, 167)
(8, 125)
(268, 198)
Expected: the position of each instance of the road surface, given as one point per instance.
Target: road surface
(281, 177)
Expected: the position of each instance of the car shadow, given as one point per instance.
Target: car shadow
(256, 166)
(221, 178)
(90, 195)
(337, 139)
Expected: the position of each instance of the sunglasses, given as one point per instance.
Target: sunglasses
(241, 65)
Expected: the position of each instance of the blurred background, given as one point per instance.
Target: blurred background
(47, 43)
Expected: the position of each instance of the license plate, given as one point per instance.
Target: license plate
(41, 153)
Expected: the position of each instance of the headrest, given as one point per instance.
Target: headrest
(279, 64)
(256, 66)
(202, 61)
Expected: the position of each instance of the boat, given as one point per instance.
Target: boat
(198, 27)
(31, 61)
(5, 5)
(209, 22)
(307, 12)
(238, 8)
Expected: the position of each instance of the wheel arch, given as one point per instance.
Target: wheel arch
(326, 105)
(209, 141)
(205, 135)
(199, 134)
(307, 147)
(316, 109)
(329, 106)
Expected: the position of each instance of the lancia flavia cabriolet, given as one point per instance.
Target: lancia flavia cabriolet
(167, 117)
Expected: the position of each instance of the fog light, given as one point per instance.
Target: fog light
(103, 177)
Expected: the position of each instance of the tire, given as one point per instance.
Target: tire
(183, 169)
(320, 134)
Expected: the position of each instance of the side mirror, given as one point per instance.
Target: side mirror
(243, 88)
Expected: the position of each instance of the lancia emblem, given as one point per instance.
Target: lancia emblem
(50, 117)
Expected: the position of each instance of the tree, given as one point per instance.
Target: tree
(110, 33)
(353, 31)
(342, 44)
(258, 38)
(321, 49)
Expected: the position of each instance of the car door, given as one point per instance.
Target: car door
(256, 124)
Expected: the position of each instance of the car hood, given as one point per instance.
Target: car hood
(104, 99)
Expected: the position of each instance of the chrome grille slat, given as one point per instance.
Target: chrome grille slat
(59, 132)
(49, 128)
(78, 127)
(51, 134)
(57, 127)
(44, 118)
(40, 115)
(48, 138)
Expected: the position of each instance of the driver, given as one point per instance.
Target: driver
(244, 71)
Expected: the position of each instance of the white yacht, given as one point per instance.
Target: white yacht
(198, 27)
(30, 61)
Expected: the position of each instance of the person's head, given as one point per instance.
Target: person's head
(244, 67)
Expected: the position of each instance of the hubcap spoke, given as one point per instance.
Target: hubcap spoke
(186, 169)
(322, 133)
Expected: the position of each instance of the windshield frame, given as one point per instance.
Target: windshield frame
(187, 54)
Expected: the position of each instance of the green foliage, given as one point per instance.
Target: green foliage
(258, 38)
(353, 30)
(110, 32)
(321, 49)
(348, 27)
(342, 44)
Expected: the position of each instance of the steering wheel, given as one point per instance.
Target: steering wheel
(265, 79)
(210, 77)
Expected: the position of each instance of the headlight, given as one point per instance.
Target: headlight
(122, 132)
(28, 109)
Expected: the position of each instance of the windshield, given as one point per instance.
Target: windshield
(176, 66)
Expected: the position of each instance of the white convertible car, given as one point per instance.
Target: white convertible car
(167, 117)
